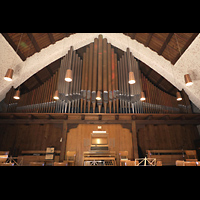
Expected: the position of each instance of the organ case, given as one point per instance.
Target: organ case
(98, 70)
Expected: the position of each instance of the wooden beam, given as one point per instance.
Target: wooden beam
(64, 141)
(35, 44)
(148, 39)
(159, 80)
(14, 46)
(134, 138)
(38, 79)
(165, 43)
(184, 48)
(52, 40)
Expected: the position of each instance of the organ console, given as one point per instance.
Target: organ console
(100, 72)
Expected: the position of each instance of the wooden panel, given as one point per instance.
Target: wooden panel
(17, 138)
(120, 139)
(164, 137)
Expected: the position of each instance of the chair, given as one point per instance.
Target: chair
(64, 163)
(191, 154)
(180, 163)
(71, 157)
(159, 163)
(130, 163)
(123, 156)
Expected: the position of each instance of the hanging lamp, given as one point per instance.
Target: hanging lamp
(68, 76)
(188, 80)
(9, 74)
(178, 96)
(17, 95)
(56, 95)
(142, 96)
(131, 78)
(98, 97)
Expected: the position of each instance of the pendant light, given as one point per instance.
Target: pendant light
(178, 96)
(188, 80)
(9, 74)
(142, 97)
(68, 76)
(56, 95)
(17, 95)
(131, 78)
(98, 97)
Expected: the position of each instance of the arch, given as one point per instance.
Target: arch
(188, 63)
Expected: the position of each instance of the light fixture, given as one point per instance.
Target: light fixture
(17, 94)
(98, 97)
(188, 80)
(131, 78)
(9, 74)
(178, 96)
(68, 76)
(142, 97)
(56, 95)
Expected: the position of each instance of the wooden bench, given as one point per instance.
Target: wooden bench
(168, 157)
(36, 156)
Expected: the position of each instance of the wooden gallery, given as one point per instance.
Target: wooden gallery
(97, 103)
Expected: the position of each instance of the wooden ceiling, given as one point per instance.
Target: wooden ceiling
(169, 45)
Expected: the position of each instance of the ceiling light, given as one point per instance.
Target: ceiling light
(68, 76)
(98, 97)
(9, 74)
(17, 94)
(188, 80)
(178, 96)
(142, 97)
(131, 78)
(56, 95)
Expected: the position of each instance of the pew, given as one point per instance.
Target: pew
(168, 157)
(36, 156)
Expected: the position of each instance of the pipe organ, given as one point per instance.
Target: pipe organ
(98, 74)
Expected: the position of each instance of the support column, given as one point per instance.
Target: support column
(134, 138)
(64, 140)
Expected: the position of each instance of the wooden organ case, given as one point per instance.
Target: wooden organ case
(99, 154)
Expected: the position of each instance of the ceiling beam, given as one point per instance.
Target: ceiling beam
(14, 46)
(165, 43)
(35, 44)
(52, 40)
(184, 48)
(38, 79)
(148, 39)
(159, 80)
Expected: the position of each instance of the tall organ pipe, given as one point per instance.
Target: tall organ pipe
(99, 102)
(94, 80)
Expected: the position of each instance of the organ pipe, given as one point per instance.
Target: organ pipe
(101, 72)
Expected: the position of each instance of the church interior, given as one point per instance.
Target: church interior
(100, 99)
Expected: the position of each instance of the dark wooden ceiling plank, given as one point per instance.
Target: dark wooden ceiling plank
(148, 39)
(38, 79)
(159, 80)
(184, 48)
(52, 39)
(49, 70)
(14, 46)
(35, 44)
(165, 43)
